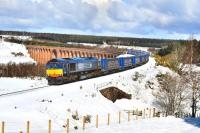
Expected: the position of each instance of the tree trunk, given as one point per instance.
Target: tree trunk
(193, 106)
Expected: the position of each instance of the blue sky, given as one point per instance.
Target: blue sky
(173, 19)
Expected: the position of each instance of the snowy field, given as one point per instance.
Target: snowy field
(84, 98)
(154, 125)
(9, 85)
(60, 102)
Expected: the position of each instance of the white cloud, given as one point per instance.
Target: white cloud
(116, 17)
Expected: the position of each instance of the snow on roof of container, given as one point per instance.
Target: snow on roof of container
(125, 55)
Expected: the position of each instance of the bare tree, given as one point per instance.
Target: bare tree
(190, 75)
(191, 79)
(170, 95)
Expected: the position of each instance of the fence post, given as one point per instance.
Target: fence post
(83, 122)
(28, 127)
(2, 127)
(147, 112)
(67, 126)
(128, 115)
(154, 110)
(136, 114)
(97, 121)
(108, 119)
(119, 117)
(49, 127)
(150, 113)
(144, 115)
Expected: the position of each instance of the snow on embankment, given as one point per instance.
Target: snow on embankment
(142, 83)
(84, 97)
(9, 85)
(14, 53)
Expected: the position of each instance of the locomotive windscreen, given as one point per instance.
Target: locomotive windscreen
(54, 65)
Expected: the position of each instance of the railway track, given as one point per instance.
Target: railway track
(38, 88)
(22, 91)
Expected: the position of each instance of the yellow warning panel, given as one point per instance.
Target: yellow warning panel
(54, 72)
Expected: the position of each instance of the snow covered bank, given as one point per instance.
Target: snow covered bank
(61, 102)
(14, 53)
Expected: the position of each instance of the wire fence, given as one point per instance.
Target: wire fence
(86, 122)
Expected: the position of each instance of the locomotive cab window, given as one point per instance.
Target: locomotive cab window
(54, 65)
(72, 67)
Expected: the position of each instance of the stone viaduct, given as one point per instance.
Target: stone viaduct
(42, 54)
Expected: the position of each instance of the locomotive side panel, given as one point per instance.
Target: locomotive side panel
(86, 66)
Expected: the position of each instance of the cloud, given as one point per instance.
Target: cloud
(46, 13)
(152, 18)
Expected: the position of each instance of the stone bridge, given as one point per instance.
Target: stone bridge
(42, 54)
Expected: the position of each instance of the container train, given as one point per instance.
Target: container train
(64, 70)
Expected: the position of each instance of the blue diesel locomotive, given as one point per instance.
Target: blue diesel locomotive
(63, 70)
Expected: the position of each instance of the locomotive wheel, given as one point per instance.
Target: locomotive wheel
(51, 82)
(59, 81)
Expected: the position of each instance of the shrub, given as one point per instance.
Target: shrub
(160, 75)
(87, 118)
(17, 54)
(75, 116)
(169, 61)
(22, 70)
(165, 51)
(135, 76)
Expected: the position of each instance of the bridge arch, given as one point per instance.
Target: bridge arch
(54, 54)
(42, 54)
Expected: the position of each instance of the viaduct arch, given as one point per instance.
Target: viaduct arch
(42, 54)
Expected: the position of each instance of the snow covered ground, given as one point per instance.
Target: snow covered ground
(104, 45)
(84, 98)
(17, 37)
(9, 85)
(61, 102)
(13, 53)
(85, 44)
(155, 125)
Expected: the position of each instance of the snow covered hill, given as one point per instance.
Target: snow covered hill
(83, 98)
(13, 53)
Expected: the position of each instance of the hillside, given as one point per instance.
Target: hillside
(14, 53)
(84, 97)
(33, 100)
(64, 38)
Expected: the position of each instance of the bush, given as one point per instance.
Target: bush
(165, 51)
(22, 70)
(169, 61)
(87, 118)
(136, 76)
(75, 116)
(17, 54)
(13, 40)
(160, 75)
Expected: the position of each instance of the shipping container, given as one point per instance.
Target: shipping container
(109, 64)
